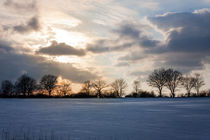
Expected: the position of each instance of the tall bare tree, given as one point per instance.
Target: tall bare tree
(25, 85)
(173, 79)
(99, 86)
(188, 83)
(157, 79)
(136, 86)
(119, 87)
(48, 82)
(198, 82)
(86, 87)
(65, 87)
(7, 87)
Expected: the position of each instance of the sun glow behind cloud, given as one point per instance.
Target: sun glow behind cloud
(75, 39)
(63, 27)
(67, 59)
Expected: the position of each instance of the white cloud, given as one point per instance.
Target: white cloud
(202, 11)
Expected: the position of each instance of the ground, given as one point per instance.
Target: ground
(105, 119)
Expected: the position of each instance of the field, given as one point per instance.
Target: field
(105, 119)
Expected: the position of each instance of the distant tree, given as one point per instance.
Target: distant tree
(65, 87)
(136, 86)
(40, 89)
(99, 85)
(7, 87)
(173, 79)
(198, 83)
(158, 79)
(25, 85)
(119, 87)
(188, 83)
(48, 82)
(86, 87)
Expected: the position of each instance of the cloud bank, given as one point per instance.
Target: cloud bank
(58, 49)
(186, 45)
(32, 25)
(13, 65)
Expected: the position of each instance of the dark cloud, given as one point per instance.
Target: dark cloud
(188, 39)
(32, 25)
(5, 47)
(187, 42)
(186, 47)
(61, 49)
(136, 34)
(26, 8)
(99, 46)
(186, 20)
(146, 42)
(187, 32)
(128, 31)
(184, 62)
(127, 36)
(104, 46)
(28, 5)
(13, 65)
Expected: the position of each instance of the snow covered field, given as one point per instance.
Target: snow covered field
(105, 119)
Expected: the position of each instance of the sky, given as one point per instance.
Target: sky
(103, 39)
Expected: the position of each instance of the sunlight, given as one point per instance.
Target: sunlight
(61, 80)
(67, 59)
(75, 39)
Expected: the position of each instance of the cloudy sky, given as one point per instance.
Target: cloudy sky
(90, 39)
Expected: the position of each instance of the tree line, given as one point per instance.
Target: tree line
(27, 86)
(48, 86)
(172, 79)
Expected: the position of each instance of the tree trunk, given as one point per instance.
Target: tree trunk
(188, 94)
(50, 92)
(120, 93)
(173, 94)
(99, 94)
(29, 93)
(160, 92)
(116, 94)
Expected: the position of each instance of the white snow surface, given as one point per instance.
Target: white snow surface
(106, 119)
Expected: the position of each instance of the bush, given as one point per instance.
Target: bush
(142, 94)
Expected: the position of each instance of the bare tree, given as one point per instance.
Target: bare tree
(158, 79)
(86, 87)
(188, 83)
(48, 82)
(99, 85)
(7, 87)
(119, 87)
(198, 83)
(136, 86)
(39, 89)
(65, 87)
(173, 79)
(25, 85)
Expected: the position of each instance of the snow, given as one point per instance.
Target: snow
(106, 119)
